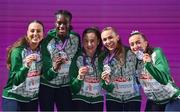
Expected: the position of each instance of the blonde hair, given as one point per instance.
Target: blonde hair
(120, 50)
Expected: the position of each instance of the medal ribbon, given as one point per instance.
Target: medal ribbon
(62, 47)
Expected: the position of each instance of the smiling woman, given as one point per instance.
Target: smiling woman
(59, 48)
(85, 73)
(24, 63)
(154, 76)
(123, 93)
(34, 35)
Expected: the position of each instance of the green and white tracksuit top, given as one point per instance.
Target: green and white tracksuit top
(23, 82)
(88, 90)
(53, 46)
(155, 78)
(123, 87)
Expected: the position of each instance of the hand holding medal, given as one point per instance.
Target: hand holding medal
(106, 73)
(82, 72)
(30, 58)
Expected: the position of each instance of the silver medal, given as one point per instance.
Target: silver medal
(107, 68)
(63, 55)
(90, 69)
(139, 55)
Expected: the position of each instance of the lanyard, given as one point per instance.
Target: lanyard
(109, 57)
(84, 59)
(61, 46)
(106, 61)
(29, 51)
(92, 62)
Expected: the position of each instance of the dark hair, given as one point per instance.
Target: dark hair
(19, 42)
(67, 14)
(97, 32)
(149, 49)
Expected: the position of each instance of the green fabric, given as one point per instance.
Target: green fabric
(127, 70)
(76, 84)
(158, 68)
(73, 71)
(48, 73)
(17, 76)
(18, 71)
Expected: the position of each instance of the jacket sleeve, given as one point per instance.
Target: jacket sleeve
(79, 49)
(48, 72)
(73, 72)
(18, 72)
(159, 69)
(107, 87)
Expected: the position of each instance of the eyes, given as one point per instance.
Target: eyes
(35, 30)
(135, 43)
(89, 40)
(61, 23)
(108, 38)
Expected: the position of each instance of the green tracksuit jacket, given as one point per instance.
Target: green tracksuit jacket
(23, 82)
(90, 89)
(155, 78)
(124, 86)
(50, 50)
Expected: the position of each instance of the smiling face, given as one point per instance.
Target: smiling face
(35, 33)
(90, 43)
(110, 39)
(62, 25)
(137, 42)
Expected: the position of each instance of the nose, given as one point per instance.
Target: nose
(137, 47)
(89, 43)
(35, 33)
(61, 25)
(108, 41)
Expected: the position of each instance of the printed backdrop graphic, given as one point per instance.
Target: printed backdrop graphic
(159, 20)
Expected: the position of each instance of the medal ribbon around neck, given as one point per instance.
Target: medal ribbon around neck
(62, 47)
(109, 57)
